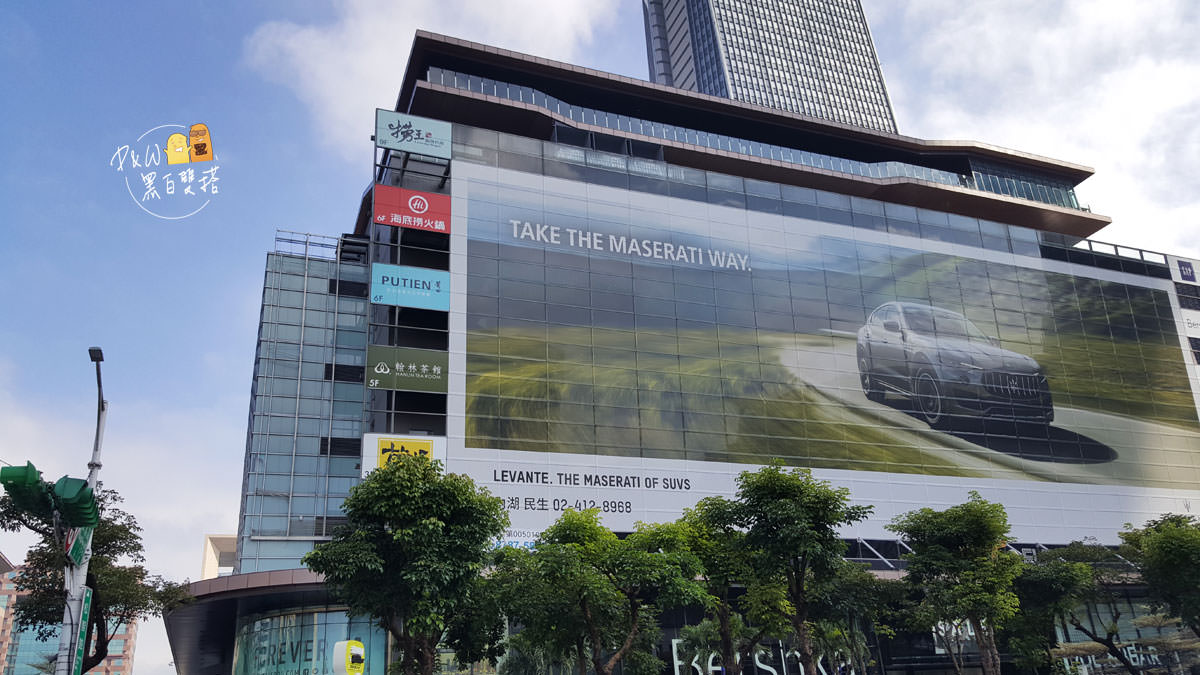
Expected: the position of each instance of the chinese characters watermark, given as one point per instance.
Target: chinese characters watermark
(180, 187)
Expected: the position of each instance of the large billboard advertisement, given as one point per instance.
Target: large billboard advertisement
(632, 352)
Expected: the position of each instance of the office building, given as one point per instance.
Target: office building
(810, 57)
(639, 291)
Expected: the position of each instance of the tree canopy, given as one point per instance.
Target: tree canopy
(410, 557)
(600, 594)
(123, 590)
(960, 574)
(742, 606)
(1167, 550)
(792, 523)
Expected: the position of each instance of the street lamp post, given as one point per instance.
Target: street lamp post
(74, 626)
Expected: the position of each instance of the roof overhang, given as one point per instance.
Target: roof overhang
(202, 632)
(474, 109)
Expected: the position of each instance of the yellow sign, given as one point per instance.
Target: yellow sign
(403, 446)
(349, 657)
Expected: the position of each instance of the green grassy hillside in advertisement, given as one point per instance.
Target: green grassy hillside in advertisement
(692, 398)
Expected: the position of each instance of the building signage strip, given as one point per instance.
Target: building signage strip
(412, 209)
(406, 369)
(409, 133)
(406, 286)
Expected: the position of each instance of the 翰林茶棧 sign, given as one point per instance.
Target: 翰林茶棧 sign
(412, 209)
(409, 133)
(405, 286)
(405, 368)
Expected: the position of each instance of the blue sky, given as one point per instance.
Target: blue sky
(288, 90)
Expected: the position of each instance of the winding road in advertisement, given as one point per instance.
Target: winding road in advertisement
(1080, 446)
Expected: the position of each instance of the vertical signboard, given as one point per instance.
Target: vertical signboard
(85, 616)
(409, 133)
(406, 286)
(406, 369)
(412, 209)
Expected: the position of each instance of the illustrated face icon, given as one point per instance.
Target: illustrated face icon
(201, 143)
(177, 149)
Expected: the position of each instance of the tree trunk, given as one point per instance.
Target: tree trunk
(635, 616)
(1109, 644)
(426, 655)
(989, 654)
(804, 644)
(729, 662)
(954, 653)
(800, 618)
(579, 656)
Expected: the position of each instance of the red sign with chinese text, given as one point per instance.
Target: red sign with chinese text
(412, 209)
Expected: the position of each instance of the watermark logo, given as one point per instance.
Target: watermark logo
(170, 171)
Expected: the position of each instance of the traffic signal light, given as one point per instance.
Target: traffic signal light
(76, 503)
(28, 491)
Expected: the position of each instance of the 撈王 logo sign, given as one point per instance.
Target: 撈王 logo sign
(169, 171)
(409, 133)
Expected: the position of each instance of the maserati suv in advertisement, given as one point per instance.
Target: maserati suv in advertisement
(949, 368)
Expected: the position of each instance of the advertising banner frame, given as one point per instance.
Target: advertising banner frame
(1051, 498)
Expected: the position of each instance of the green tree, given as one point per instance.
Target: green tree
(552, 629)
(960, 574)
(791, 521)
(1047, 592)
(410, 557)
(1167, 550)
(614, 588)
(847, 602)
(123, 591)
(743, 607)
(1089, 577)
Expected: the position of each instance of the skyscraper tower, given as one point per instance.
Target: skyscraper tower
(813, 57)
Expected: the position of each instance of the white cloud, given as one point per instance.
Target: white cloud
(179, 471)
(1107, 84)
(342, 71)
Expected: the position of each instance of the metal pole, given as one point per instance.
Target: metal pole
(75, 577)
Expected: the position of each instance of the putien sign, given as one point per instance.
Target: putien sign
(406, 286)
